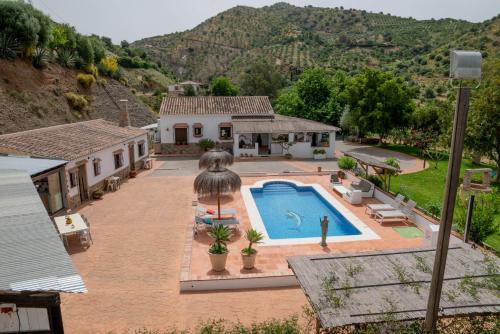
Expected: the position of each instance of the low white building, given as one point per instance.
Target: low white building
(245, 125)
(94, 150)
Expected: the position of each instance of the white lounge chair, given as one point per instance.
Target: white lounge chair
(366, 187)
(353, 196)
(402, 214)
(339, 188)
(372, 208)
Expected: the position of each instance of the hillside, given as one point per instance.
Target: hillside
(295, 38)
(32, 98)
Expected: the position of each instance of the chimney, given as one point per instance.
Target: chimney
(124, 119)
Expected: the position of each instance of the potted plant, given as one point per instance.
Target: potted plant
(97, 194)
(133, 174)
(319, 154)
(206, 144)
(218, 249)
(248, 254)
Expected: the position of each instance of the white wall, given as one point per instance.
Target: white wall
(107, 162)
(304, 150)
(210, 126)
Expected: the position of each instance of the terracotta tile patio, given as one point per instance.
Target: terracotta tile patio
(133, 268)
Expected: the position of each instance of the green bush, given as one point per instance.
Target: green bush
(375, 180)
(9, 47)
(206, 144)
(486, 206)
(85, 80)
(66, 58)
(40, 58)
(319, 151)
(76, 101)
(347, 163)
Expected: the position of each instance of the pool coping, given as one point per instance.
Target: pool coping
(257, 223)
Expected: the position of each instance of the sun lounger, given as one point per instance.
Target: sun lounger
(202, 212)
(209, 221)
(372, 208)
(402, 214)
(340, 189)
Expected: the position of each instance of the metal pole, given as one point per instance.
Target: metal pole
(468, 222)
(450, 194)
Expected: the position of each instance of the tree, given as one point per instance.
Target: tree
(23, 23)
(189, 90)
(483, 129)
(221, 86)
(86, 50)
(314, 97)
(261, 79)
(378, 102)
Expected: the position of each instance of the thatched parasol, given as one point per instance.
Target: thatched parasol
(215, 156)
(217, 180)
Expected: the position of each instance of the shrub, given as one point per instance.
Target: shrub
(66, 58)
(375, 180)
(124, 81)
(76, 101)
(40, 58)
(108, 65)
(206, 144)
(92, 69)
(319, 151)
(102, 82)
(9, 47)
(486, 206)
(85, 80)
(434, 208)
(347, 163)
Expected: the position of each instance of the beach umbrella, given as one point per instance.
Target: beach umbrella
(215, 156)
(217, 180)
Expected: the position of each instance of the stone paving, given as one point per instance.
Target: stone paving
(132, 270)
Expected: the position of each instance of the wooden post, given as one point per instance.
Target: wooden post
(468, 222)
(450, 194)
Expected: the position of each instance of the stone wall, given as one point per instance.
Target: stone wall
(189, 149)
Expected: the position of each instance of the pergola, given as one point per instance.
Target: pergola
(381, 168)
(356, 289)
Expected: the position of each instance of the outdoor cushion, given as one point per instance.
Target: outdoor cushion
(210, 211)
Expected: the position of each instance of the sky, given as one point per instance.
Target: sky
(135, 19)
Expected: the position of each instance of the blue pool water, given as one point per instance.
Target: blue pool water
(289, 211)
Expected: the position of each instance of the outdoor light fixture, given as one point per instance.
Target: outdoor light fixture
(464, 66)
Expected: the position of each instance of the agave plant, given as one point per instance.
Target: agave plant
(66, 58)
(9, 46)
(254, 237)
(40, 58)
(221, 235)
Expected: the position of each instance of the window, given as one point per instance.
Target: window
(197, 130)
(225, 132)
(97, 167)
(72, 179)
(140, 149)
(118, 157)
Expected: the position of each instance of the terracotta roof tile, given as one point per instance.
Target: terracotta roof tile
(210, 105)
(68, 141)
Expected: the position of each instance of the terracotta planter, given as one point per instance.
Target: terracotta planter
(133, 174)
(218, 261)
(248, 260)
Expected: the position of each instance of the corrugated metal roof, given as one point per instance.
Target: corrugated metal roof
(32, 256)
(32, 166)
(279, 124)
(216, 105)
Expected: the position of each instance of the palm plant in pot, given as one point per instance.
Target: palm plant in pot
(218, 249)
(248, 254)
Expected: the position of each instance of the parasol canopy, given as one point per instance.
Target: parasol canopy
(214, 157)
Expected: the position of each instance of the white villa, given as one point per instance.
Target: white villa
(94, 150)
(245, 125)
(178, 88)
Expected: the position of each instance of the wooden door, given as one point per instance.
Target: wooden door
(82, 183)
(181, 136)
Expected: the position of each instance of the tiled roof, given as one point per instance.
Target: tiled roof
(216, 105)
(32, 256)
(279, 124)
(68, 141)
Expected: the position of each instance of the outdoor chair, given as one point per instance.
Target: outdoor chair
(353, 196)
(371, 209)
(334, 179)
(85, 239)
(365, 186)
(404, 214)
(339, 188)
(209, 222)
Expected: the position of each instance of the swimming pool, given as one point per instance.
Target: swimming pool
(289, 212)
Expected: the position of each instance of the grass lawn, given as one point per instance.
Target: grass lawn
(427, 187)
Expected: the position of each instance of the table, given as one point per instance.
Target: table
(112, 183)
(77, 225)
